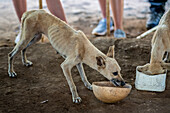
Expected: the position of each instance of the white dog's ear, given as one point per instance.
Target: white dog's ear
(101, 61)
(111, 51)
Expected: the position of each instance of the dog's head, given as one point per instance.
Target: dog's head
(109, 68)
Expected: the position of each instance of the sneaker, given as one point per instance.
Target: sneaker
(17, 37)
(153, 19)
(101, 28)
(119, 33)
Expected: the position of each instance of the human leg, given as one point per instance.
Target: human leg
(117, 10)
(103, 7)
(56, 9)
(20, 7)
(101, 28)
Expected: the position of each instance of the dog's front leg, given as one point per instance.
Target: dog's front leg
(83, 76)
(66, 67)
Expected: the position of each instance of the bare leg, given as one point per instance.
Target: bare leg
(83, 76)
(20, 7)
(66, 67)
(117, 10)
(56, 9)
(103, 7)
(26, 62)
(101, 28)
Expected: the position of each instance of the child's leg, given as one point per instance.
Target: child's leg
(20, 7)
(117, 10)
(56, 9)
(103, 7)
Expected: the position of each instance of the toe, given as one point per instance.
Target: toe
(90, 87)
(12, 74)
(77, 100)
(28, 63)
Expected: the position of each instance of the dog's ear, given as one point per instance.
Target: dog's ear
(100, 61)
(111, 52)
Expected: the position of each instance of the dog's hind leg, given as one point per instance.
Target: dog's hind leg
(167, 57)
(83, 76)
(11, 55)
(66, 67)
(36, 38)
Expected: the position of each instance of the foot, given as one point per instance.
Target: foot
(28, 63)
(119, 33)
(89, 86)
(154, 19)
(101, 28)
(77, 100)
(12, 74)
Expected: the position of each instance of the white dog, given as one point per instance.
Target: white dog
(160, 44)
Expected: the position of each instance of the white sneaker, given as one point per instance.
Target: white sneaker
(18, 37)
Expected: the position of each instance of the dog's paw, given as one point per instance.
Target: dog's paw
(166, 60)
(28, 63)
(77, 100)
(143, 68)
(12, 74)
(89, 87)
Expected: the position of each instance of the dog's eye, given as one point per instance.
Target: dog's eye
(115, 73)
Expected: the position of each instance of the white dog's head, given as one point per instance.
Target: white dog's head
(109, 68)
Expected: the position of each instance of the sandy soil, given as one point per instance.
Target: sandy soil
(45, 80)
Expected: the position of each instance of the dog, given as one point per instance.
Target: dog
(160, 45)
(70, 44)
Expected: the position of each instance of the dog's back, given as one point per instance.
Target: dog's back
(62, 37)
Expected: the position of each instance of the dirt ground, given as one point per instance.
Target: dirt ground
(45, 80)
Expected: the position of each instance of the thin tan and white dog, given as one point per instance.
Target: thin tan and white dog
(71, 44)
(160, 44)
